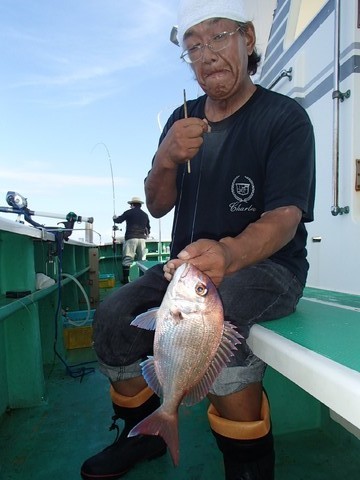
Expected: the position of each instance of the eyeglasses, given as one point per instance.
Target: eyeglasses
(216, 44)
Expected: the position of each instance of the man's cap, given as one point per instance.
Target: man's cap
(135, 200)
(192, 12)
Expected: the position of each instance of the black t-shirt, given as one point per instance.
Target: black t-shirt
(137, 223)
(260, 158)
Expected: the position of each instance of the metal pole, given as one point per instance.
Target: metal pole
(89, 237)
(335, 207)
(59, 216)
(337, 97)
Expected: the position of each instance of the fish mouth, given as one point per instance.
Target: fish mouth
(188, 269)
(182, 271)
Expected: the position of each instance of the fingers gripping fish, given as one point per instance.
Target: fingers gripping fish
(192, 344)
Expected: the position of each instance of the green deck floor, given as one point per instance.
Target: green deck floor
(51, 441)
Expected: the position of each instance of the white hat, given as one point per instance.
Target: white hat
(192, 12)
(135, 200)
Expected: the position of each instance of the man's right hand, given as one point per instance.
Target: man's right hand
(183, 140)
(179, 146)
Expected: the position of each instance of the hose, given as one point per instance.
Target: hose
(79, 324)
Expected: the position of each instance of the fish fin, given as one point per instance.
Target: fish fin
(230, 331)
(196, 394)
(201, 389)
(146, 320)
(231, 337)
(163, 424)
(149, 373)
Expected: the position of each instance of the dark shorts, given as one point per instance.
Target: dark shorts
(264, 291)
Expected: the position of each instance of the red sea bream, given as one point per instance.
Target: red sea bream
(192, 344)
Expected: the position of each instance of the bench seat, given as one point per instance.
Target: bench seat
(317, 348)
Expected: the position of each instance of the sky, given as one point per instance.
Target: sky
(85, 86)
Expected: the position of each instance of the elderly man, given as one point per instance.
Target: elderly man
(239, 217)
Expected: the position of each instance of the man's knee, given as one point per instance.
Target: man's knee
(241, 406)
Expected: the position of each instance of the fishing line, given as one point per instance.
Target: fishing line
(170, 109)
(177, 213)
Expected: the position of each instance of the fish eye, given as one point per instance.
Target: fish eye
(201, 289)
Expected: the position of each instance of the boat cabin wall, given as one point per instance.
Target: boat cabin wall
(300, 61)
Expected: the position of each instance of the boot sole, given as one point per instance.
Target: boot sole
(113, 476)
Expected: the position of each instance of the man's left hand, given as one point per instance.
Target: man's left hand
(209, 256)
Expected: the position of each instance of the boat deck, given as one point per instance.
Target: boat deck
(52, 440)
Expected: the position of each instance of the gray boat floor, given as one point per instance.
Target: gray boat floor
(51, 441)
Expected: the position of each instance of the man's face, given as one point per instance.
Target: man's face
(221, 74)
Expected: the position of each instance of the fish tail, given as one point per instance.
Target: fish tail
(163, 424)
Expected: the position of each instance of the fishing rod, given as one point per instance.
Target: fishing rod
(115, 228)
(111, 170)
(113, 187)
(18, 204)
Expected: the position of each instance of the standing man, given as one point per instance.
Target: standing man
(239, 217)
(137, 230)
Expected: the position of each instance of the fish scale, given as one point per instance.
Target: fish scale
(194, 363)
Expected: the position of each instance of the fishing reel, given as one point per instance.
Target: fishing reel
(16, 200)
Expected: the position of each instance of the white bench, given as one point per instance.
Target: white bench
(318, 348)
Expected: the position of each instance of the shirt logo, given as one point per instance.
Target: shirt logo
(242, 189)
